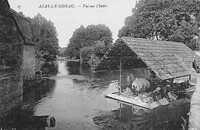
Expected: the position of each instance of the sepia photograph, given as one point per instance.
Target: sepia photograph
(99, 64)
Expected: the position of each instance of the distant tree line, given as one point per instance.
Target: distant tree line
(169, 20)
(62, 51)
(86, 40)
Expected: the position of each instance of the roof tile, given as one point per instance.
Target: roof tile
(167, 59)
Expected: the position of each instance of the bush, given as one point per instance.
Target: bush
(94, 61)
(100, 49)
(85, 53)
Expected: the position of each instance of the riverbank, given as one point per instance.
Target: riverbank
(194, 118)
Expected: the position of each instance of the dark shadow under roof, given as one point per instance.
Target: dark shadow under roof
(167, 59)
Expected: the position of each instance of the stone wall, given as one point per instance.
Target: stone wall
(11, 94)
(29, 62)
(11, 50)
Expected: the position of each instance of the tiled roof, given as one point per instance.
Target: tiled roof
(166, 59)
(24, 26)
(22, 23)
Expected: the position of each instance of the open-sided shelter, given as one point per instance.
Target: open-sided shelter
(166, 59)
(163, 60)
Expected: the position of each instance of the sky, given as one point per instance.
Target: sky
(69, 15)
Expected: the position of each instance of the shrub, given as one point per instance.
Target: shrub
(85, 53)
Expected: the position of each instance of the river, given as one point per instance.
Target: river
(74, 105)
(73, 96)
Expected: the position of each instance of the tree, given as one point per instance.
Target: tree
(85, 53)
(62, 51)
(170, 20)
(44, 34)
(99, 49)
(86, 37)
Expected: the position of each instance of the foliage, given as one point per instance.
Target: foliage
(99, 49)
(170, 20)
(62, 51)
(44, 34)
(86, 37)
(93, 54)
(86, 52)
(49, 68)
(94, 61)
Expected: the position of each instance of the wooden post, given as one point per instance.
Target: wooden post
(120, 111)
(151, 79)
(120, 69)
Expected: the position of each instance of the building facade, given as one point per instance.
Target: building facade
(17, 58)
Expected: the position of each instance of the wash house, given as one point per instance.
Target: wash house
(160, 60)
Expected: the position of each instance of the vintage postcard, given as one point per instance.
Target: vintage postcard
(99, 64)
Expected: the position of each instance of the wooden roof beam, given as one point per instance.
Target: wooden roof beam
(122, 57)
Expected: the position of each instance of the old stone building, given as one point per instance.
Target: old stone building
(28, 56)
(17, 58)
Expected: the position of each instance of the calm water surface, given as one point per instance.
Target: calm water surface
(74, 105)
(74, 95)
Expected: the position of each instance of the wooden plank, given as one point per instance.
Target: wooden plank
(123, 57)
(128, 100)
(132, 102)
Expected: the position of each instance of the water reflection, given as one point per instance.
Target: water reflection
(76, 95)
(94, 80)
(171, 117)
(49, 68)
(128, 76)
(73, 68)
(24, 118)
(43, 89)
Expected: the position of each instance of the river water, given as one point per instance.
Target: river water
(73, 105)
(73, 95)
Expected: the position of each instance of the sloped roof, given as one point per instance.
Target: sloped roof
(167, 59)
(23, 25)
(4, 4)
